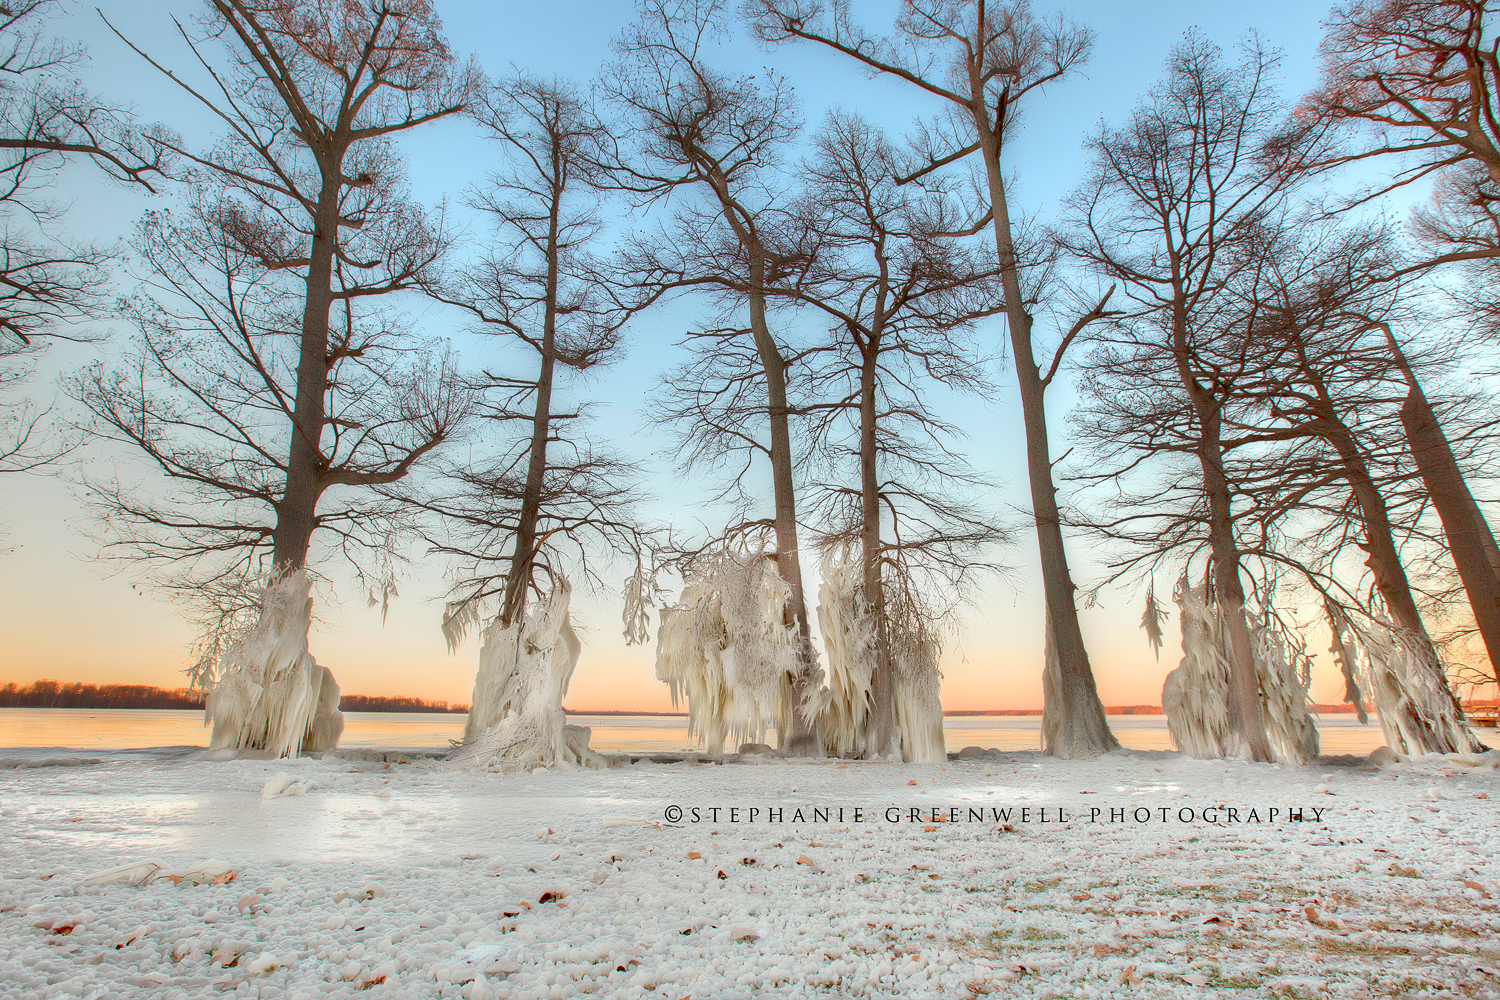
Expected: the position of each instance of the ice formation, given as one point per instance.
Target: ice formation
(516, 719)
(849, 636)
(1417, 712)
(919, 711)
(1195, 696)
(727, 648)
(268, 693)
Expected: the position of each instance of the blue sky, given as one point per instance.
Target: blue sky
(50, 586)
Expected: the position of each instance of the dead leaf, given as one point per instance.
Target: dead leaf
(694, 855)
(1469, 884)
(224, 878)
(930, 829)
(548, 897)
(912, 781)
(721, 873)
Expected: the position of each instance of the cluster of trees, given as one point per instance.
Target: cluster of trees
(1263, 357)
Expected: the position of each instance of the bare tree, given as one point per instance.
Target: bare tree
(48, 282)
(543, 496)
(266, 373)
(712, 143)
(1417, 82)
(1332, 380)
(901, 295)
(984, 61)
(1181, 204)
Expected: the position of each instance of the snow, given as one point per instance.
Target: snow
(402, 876)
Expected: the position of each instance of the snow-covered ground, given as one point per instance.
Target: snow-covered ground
(395, 878)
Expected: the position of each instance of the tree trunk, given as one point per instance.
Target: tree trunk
(1390, 577)
(518, 576)
(1470, 540)
(802, 739)
(1469, 537)
(880, 721)
(1073, 726)
(297, 513)
(1246, 710)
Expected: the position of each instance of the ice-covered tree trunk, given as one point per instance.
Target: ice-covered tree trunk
(728, 649)
(850, 641)
(850, 637)
(1417, 711)
(516, 719)
(1196, 696)
(268, 692)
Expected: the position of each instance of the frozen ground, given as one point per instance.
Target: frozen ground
(412, 879)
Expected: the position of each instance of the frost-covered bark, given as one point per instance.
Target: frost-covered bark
(268, 692)
(849, 635)
(727, 648)
(516, 720)
(1196, 695)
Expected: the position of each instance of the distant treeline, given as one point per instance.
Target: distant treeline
(55, 694)
(371, 703)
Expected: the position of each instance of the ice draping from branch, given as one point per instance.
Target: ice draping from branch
(516, 719)
(727, 649)
(848, 624)
(267, 692)
(1403, 681)
(1195, 697)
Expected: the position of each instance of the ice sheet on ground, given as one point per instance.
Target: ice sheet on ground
(407, 880)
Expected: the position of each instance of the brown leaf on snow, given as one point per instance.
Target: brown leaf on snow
(224, 878)
(721, 873)
(64, 929)
(694, 855)
(803, 859)
(929, 829)
(912, 781)
(1470, 884)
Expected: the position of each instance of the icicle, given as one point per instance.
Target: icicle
(1347, 657)
(849, 639)
(269, 693)
(1417, 713)
(1285, 676)
(458, 618)
(1152, 620)
(727, 650)
(918, 706)
(1195, 697)
(849, 636)
(637, 612)
(516, 719)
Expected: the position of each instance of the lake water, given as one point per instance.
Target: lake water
(121, 729)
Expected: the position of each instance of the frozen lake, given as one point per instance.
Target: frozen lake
(91, 729)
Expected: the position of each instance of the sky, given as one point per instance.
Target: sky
(65, 614)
